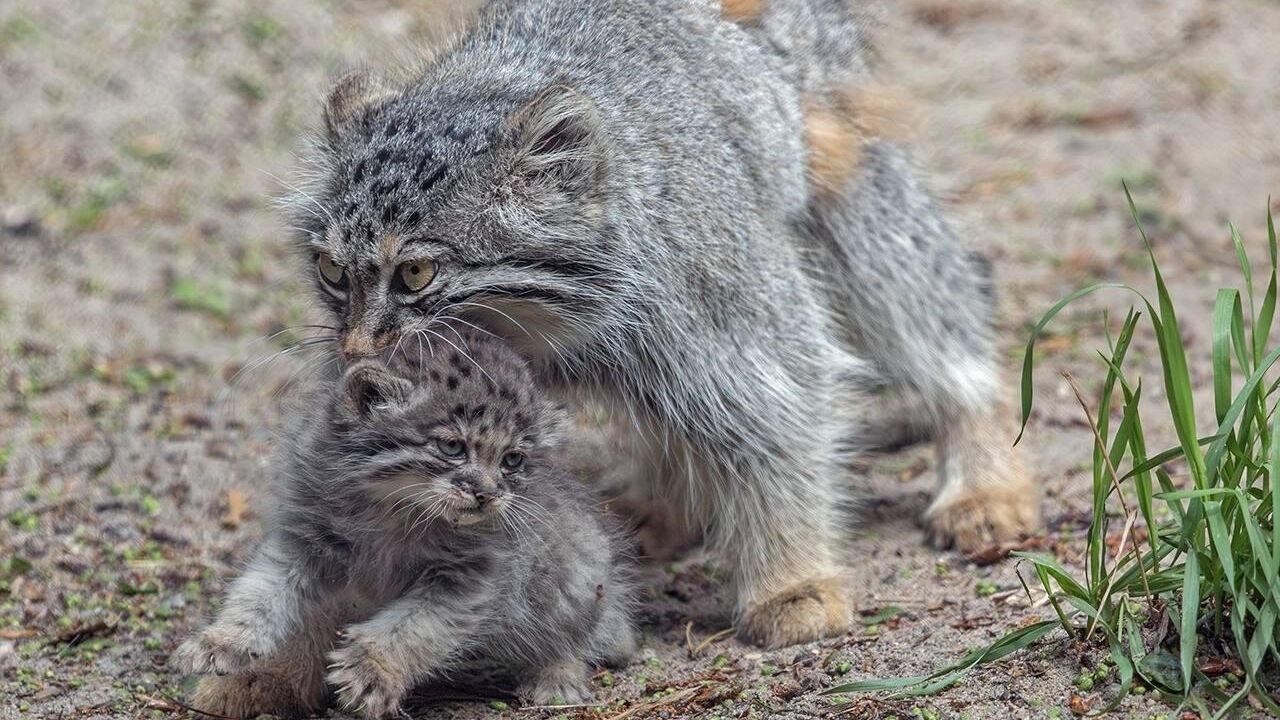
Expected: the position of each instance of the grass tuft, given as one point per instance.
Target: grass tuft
(1192, 583)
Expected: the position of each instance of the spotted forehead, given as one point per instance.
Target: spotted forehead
(478, 370)
(386, 183)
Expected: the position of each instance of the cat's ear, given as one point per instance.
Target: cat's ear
(368, 388)
(349, 103)
(559, 153)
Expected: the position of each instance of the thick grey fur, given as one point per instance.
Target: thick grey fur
(381, 535)
(621, 188)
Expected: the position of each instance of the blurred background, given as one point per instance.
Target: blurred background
(146, 284)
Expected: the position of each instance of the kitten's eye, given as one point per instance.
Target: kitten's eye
(332, 273)
(513, 461)
(417, 274)
(451, 448)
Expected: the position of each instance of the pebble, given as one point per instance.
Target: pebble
(20, 221)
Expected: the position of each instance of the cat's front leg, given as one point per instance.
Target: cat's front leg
(262, 609)
(383, 658)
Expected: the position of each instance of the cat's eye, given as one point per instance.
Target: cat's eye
(513, 461)
(451, 448)
(331, 272)
(416, 274)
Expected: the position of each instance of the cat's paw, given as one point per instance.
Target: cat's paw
(251, 694)
(986, 497)
(978, 519)
(806, 611)
(559, 683)
(365, 680)
(218, 650)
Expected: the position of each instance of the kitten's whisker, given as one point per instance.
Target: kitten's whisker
(518, 514)
(433, 513)
(409, 496)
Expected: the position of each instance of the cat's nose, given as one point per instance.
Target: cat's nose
(482, 497)
(360, 343)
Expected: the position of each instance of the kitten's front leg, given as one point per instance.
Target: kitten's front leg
(386, 656)
(262, 609)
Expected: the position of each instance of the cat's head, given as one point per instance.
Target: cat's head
(456, 201)
(455, 434)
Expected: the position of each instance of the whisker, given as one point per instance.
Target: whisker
(464, 354)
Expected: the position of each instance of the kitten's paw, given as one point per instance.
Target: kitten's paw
(218, 650)
(249, 695)
(560, 683)
(365, 680)
(805, 611)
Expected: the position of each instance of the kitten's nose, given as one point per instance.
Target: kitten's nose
(482, 497)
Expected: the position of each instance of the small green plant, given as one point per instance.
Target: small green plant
(190, 295)
(1210, 569)
(1201, 558)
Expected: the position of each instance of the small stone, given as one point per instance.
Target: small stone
(20, 221)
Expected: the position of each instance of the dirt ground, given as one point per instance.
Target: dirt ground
(143, 272)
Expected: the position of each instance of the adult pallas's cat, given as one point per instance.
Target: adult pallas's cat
(671, 207)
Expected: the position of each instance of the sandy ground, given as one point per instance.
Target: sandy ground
(142, 266)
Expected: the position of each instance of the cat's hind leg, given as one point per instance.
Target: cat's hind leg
(920, 305)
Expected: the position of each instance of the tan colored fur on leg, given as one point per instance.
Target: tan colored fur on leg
(743, 11)
(837, 130)
(805, 611)
(987, 496)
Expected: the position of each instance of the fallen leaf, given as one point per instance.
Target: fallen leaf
(1215, 666)
(237, 507)
(1078, 705)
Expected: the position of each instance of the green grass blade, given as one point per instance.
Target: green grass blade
(1213, 456)
(1177, 377)
(1028, 360)
(1226, 315)
(1187, 638)
(1057, 571)
(1273, 473)
(1262, 324)
(944, 677)
(1164, 457)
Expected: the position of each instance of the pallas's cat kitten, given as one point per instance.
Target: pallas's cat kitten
(426, 527)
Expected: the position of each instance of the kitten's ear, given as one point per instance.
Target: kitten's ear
(351, 98)
(560, 152)
(367, 388)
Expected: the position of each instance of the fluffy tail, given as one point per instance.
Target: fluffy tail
(822, 42)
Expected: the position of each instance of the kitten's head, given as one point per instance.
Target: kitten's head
(457, 435)
(455, 200)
